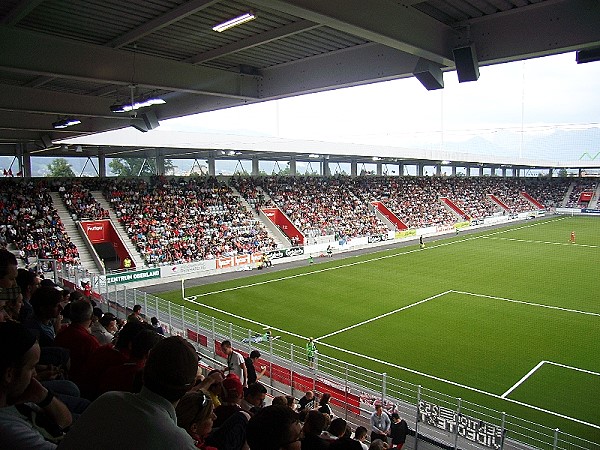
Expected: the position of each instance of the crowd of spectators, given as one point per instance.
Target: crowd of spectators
(62, 385)
(80, 202)
(582, 185)
(320, 206)
(29, 220)
(181, 220)
(177, 220)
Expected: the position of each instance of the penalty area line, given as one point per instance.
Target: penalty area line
(522, 380)
(463, 386)
(381, 316)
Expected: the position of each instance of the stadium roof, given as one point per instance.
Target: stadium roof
(197, 145)
(62, 60)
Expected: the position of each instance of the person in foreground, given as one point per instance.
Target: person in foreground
(146, 420)
(19, 354)
(274, 428)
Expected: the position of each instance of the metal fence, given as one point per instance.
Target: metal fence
(449, 422)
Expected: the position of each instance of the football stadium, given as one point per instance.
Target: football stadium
(282, 224)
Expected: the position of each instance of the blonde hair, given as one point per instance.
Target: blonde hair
(194, 407)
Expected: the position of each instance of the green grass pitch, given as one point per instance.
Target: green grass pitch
(476, 310)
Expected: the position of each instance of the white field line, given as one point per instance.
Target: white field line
(192, 299)
(453, 383)
(529, 241)
(539, 305)
(573, 368)
(383, 315)
(522, 380)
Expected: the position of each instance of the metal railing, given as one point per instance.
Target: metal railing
(287, 365)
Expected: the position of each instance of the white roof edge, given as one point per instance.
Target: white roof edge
(218, 141)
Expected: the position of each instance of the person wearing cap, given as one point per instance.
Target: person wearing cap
(233, 392)
(19, 354)
(146, 420)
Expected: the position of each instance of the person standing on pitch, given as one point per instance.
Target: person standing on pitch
(311, 351)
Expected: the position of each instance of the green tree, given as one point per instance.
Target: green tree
(563, 173)
(133, 167)
(59, 167)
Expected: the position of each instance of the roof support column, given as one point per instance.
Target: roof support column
(101, 163)
(400, 169)
(353, 168)
(438, 170)
(419, 169)
(293, 167)
(211, 165)
(255, 167)
(453, 170)
(325, 170)
(379, 169)
(24, 158)
(160, 163)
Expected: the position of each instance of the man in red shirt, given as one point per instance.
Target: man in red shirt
(78, 339)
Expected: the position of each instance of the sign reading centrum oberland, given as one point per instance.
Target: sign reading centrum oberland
(129, 277)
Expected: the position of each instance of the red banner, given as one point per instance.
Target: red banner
(284, 224)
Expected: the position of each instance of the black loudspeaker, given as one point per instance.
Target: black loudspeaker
(150, 120)
(145, 122)
(589, 55)
(467, 67)
(429, 74)
(46, 141)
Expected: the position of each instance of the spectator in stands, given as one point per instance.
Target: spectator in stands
(13, 302)
(136, 314)
(314, 424)
(274, 428)
(8, 268)
(195, 415)
(19, 355)
(398, 431)
(254, 398)
(105, 328)
(157, 326)
(307, 401)
(378, 444)
(345, 443)
(28, 281)
(253, 377)
(324, 406)
(77, 338)
(46, 303)
(215, 388)
(108, 356)
(336, 429)
(235, 362)
(233, 392)
(169, 373)
(127, 376)
(380, 424)
(360, 434)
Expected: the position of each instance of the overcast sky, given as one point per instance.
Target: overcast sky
(537, 96)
